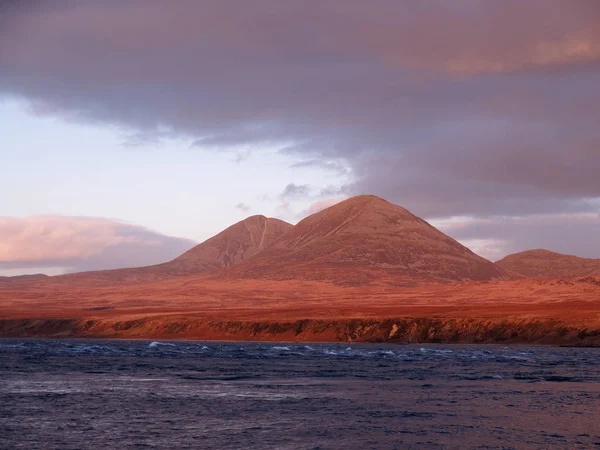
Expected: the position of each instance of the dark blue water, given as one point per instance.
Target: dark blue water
(74, 394)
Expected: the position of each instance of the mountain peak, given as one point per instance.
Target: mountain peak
(236, 243)
(366, 202)
(255, 218)
(366, 234)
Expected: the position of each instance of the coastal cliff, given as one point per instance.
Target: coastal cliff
(400, 331)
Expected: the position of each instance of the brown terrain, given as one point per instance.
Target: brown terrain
(233, 245)
(546, 264)
(362, 270)
(365, 239)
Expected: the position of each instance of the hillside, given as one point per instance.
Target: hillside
(235, 244)
(365, 239)
(546, 264)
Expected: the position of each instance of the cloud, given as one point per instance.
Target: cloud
(243, 207)
(81, 243)
(336, 167)
(469, 107)
(319, 198)
(295, 190)
(497, 237)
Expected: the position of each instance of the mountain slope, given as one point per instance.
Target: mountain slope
(365, 238)
(233, 245)
(546, 264)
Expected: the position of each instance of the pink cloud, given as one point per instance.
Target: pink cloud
(82, 243)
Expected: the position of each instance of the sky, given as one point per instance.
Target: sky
(131, 130)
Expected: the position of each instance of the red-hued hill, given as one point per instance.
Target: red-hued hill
(546, 264)
(235, 244)
(231, 246)
(365, 239)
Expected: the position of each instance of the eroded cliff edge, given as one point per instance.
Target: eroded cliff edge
(401, 331)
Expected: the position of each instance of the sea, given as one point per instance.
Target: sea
(110, 394)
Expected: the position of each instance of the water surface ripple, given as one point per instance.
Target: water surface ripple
(77, 394)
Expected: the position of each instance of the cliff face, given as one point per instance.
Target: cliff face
(400, 331)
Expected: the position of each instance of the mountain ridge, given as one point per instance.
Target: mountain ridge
(360, 240)
(367, 237)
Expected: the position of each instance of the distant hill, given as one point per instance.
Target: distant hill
(34, 276)
(546, 264)
(362, 239)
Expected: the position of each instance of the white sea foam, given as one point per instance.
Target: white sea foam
(91, 349)
(435, 350)
(278, 347)
(156, 344)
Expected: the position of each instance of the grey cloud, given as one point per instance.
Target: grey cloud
(242, 207)
(305, 191)
(467, 107)
(336, 167)
(295, 190)
(563, 233)
(334, 191)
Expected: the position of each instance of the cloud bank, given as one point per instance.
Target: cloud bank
(575, 234)
(464, 108)
(77, 244)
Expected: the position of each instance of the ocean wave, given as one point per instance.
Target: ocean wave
(435, 350)
(157, 343)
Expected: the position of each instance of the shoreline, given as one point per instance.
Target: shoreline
(237, 341)
(399, 331)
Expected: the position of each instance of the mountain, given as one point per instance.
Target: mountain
(360, 240)
(542, 263)
(366, 238)
(233, 245)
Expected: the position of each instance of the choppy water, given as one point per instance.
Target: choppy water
(74, 394)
